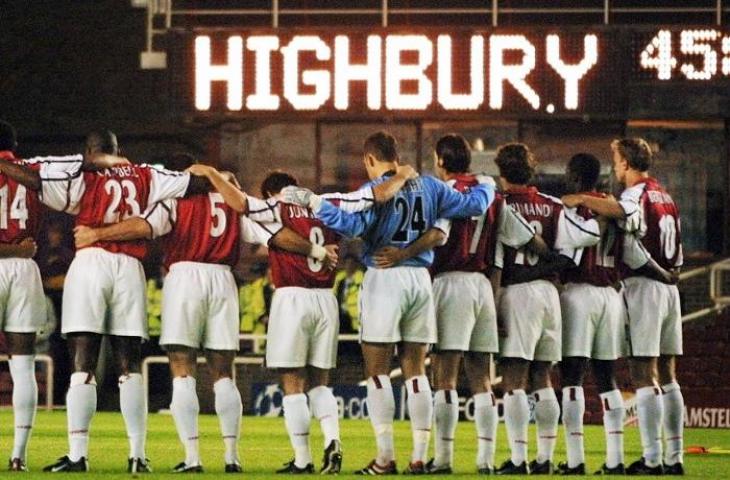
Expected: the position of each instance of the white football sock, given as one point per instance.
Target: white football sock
(673, 423)
(420, 409)
(547, 415)
(381, 409)
(25, 401)
(324, 408)
(229, 409)
(445, 417)
(185, 409)
(486, 419)
(613, 425)
(651, 414)
(133, 404)
(297, 419)
(80, 408)
(574, 407)
(516, 418)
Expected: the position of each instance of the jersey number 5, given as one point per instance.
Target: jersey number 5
(18, 209)
(218, 226)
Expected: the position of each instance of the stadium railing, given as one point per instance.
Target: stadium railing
(48, 361)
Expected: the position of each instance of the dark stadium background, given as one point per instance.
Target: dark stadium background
(67, 67)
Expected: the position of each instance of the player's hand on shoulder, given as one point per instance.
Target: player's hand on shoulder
(572, 200)
(388, 257)
(199, 170)
(406, 172)
(485, 179)
(29, 247)
(296, 195)
(332, 257)
(105, 160)
(84, 236)
(231, 178)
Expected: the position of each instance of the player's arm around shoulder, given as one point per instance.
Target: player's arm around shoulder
(392, 256)
(453, 204)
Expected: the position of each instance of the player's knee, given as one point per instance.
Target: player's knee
(572, 371)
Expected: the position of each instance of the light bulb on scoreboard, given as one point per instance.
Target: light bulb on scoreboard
(574, 72)
(263, 98)
(446, 96)
(231, 73)
(693, 42)
(658, 55)
(370, 72)
(396, 72)
(515, 74)
(319, 79)
(726, 55)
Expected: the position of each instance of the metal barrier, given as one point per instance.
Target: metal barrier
(166, 12)
(720, 299)
(49, 376)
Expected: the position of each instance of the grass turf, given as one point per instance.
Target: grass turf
(265, 446)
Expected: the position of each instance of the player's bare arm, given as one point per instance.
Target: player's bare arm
(99, 161)
(21, 174)
(388, 257)
(654, 271)
(607, 206)
(232, 195)
(289, 240)
(131, 229)
(387, 190)
(27, 248)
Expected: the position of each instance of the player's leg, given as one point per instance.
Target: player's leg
(297, 418)
(228, 405)
(650, 412)
(184, 405)
(21, 347)
(420, 403)
(613, 414)
(377, 358)
(22, 314)
(478, 368)
(515, 379)
(547, 415)
(572, 372)
(132, 401)
(445, 366)
(673, 403)
(324, 408)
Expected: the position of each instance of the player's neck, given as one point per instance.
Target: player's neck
(512, 186)
(634, 176)
(452, 175)
(384, 167)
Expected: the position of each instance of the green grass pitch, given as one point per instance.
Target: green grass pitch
(265, 446)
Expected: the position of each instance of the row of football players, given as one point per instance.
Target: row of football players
(118, 207)
(524, 239)
(198, 324)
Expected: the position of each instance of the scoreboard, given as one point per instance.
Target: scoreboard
(435, 73)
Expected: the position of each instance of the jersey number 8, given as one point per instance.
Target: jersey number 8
(316, 236)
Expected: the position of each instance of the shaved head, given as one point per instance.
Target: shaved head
(102, 141)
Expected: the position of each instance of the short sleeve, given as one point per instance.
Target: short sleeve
(166, 184)
(263, 211)
(574, 231)
(161, 217)
(62, 181)
(635, 255)
(357, 201)
(513, 228)
(630, 202)
(259, 233)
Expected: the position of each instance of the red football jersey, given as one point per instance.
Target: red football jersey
(657, 224)
(600, 264)
(202, 228)
(20, 209)
(294, 270)
(118, 193)
(471, 243)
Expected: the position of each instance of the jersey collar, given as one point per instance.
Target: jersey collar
(522, 190)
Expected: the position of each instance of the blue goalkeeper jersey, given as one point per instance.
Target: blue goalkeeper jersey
(409, 214)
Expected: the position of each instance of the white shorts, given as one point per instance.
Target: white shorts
(22, 301)
(465, 313)
(303, 328)
(200, 307)
(594, 321)
(531, 313)
(655, 317)
(396, 304)
(105, 293)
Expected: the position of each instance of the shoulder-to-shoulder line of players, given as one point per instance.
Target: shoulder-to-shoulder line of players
(450, 264)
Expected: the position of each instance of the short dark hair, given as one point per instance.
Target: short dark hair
(104, 141)
(8, 136)
(515, 162)
(454, 152)
(585, 168)
(180, 161)
(636, 151)
(275, 182)
(382, 146)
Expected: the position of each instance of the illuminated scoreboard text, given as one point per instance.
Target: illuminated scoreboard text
(456, 74)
